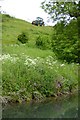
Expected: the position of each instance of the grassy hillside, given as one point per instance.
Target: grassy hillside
(13, 27)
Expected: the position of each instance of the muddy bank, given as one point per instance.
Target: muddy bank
(36, 97)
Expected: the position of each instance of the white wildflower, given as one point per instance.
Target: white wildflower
(50, 57)
(38, 58)
(26, 62)
(54, 62)
(62, 65)
(46, 62)
(77, 64)
(50, 64)
(29, 61)
(6, 57)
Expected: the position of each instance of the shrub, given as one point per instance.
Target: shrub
(23, 38)
(65, 42)
(43, 42)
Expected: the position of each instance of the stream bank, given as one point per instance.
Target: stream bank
(36, 97)
(63, 107)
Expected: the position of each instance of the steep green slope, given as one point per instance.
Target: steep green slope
(12, 27)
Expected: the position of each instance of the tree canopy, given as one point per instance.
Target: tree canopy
(65, 37)
(61, 10)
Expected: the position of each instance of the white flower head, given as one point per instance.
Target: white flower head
(62, 65)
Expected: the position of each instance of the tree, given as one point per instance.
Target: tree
(63, 10)
(65, 38)
(65, 41)
(60, 10)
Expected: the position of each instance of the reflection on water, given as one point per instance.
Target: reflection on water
(61, 108)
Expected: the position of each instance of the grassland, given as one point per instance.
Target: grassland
(13, 27)
(29, 72)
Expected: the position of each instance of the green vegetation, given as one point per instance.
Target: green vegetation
(24, 75)
(43, 42)
(66, 37)
(12, 28)
(65, 41)
(62, 9)
(23, 38)
(32, 70)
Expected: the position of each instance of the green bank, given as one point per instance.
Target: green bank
(32, 70)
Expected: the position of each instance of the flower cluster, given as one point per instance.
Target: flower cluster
(49, 61)
(30, 61)
(27, 60)
(8, 57)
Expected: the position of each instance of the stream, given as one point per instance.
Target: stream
(63, 107)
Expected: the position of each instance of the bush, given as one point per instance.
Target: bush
(23, 38)
(65, 41)
(43, 42)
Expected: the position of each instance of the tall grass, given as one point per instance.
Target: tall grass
(24, 49)
(23, 75)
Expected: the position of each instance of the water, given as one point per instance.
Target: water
(60, 108)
